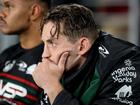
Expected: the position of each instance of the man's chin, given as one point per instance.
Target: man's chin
(7, 32)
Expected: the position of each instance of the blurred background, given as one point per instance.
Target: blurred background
(121, 18)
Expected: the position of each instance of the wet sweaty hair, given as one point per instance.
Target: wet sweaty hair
(73, 21)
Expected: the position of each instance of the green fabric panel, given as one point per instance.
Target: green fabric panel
(89, 90)
(90, 93)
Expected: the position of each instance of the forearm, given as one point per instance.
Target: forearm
(63, 98)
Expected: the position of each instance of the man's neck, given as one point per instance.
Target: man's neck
(30, 38)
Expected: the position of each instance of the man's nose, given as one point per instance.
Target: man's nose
(46, 52)
(3, 12)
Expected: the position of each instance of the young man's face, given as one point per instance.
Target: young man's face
(14, 16)
(56, 45)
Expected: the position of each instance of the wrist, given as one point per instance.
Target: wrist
(53, 91)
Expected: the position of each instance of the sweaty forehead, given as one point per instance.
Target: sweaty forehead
(49, 30)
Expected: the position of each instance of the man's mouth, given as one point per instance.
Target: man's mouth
(2, 23)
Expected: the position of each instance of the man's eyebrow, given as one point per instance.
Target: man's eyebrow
(53, 38)
(50, 39)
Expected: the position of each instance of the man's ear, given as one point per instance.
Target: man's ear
(84, 45)
(36, 11)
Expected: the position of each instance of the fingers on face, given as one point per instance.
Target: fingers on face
(63, 60)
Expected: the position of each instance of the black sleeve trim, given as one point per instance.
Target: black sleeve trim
(65, 98)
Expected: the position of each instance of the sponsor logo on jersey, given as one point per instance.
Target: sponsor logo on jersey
(20, 65)
(125, 74)
(9, 65)
(11, 90)
(103, 51)
(122, 94)
(125, 91)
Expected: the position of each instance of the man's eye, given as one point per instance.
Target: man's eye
(51, 43)
(8, 6)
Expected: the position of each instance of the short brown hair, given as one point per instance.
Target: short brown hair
(76, 19)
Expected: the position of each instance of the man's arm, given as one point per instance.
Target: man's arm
(47, 75)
